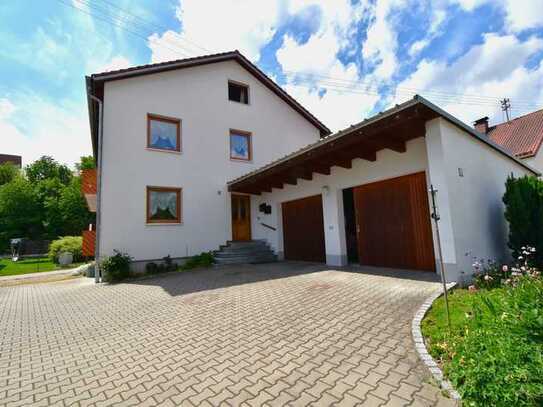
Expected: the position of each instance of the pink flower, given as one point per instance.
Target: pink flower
(505, 269)
(472, 288)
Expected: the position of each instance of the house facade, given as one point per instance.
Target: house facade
(194, 154)
(172, 139)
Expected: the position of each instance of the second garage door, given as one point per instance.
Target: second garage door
(393, 223)
(303, 229)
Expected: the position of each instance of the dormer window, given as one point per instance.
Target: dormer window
(238, 92)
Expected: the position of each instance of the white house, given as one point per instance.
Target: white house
(194, 153)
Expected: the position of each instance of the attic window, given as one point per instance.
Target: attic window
(238, 92)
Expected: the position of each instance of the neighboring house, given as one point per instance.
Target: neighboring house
(12, 159)
(200, 151)
(521, 136)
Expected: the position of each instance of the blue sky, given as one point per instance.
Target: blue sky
(343, 60)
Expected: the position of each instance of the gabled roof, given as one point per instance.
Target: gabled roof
(388, 129)
(522, 136)
(96, 82)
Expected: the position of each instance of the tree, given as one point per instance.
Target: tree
(523, 201)
(86, 163)
(46, 168)
(20, 211)
(7, 172)
(73, 209)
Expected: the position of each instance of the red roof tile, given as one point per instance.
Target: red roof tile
(522, 136)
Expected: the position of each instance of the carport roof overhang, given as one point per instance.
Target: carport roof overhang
(390, 129)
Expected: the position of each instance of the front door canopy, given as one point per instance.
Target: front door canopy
(390, 129)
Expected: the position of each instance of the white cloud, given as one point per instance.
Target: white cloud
(418, 46)
(524, 14)
(381, 43)
(489, 71)
(6, 108)
(434, 30)
(217, 27)
(520, 15)
(334, 101)
(470, 5)
(117, 62)
(32, 126)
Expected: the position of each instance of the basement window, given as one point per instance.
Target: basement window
(238, 92)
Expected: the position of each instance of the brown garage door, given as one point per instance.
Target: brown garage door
(393, 223)
(303, 229)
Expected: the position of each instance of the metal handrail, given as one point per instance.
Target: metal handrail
(268, 226)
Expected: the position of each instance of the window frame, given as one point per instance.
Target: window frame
(167, 119)
(240, 84)
(179, 217)
(249, 137)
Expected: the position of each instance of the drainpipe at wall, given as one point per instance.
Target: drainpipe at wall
(97, 270)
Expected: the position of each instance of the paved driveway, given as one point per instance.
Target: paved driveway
(280, 334)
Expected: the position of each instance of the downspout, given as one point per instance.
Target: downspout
(97, 270)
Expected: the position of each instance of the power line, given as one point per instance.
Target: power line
(123, 20)
(156, 25)
(329, 83)
(372, 86)
(114, 22)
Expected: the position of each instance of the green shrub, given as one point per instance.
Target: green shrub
(117, 267)
(167, 265)
(205, 259)
(72, 244)
(152, 268)
(523, 201)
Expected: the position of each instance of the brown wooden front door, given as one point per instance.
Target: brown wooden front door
(241, 217)
(303, 229)
(393, 223)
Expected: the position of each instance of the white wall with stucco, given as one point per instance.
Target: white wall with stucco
(536, 161)
(199, 97)
(475, 175)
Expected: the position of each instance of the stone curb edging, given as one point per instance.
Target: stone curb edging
(421, 347)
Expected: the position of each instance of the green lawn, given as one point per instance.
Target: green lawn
(31, 265)
(434, 325)
(493, 354)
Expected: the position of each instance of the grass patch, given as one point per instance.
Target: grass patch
(493, 354)
(31, 265)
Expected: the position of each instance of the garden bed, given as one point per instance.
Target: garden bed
(493, 355)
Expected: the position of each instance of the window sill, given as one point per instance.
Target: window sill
(163, 224)
(164, 151)
(241, 160)
(239, 103)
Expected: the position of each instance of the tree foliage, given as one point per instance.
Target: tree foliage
(86, 163)
(20, 211)
(44, 202)
(7, 173)
(47, 168)
(523, 201)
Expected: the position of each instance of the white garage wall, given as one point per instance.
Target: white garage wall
(199, 97)
(536, 161)
(477, 210)
(389, 164)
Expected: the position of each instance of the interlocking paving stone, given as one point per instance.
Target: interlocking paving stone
(278, 334)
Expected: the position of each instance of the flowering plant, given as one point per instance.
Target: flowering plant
(489, 274)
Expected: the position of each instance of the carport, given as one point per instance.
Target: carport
(391, 215)
(362, 194)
